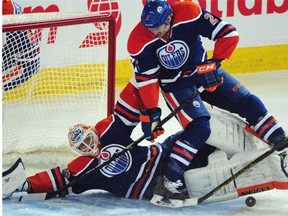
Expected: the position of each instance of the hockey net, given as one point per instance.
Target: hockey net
(58, 70)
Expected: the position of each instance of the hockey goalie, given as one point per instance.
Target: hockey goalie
(133, 174)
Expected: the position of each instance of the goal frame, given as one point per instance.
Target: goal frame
(82, 20)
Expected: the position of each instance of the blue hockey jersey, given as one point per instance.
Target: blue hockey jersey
(132, 175)
(172, 59)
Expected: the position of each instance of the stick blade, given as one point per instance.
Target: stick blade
(191, 202)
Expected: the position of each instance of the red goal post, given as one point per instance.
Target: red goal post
(58, 70)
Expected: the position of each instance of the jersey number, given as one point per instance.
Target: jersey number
(212, 20)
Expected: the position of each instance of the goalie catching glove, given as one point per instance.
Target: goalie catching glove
(209, 76)
(149, 121)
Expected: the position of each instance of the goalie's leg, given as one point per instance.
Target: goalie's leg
(14, 179)
(271, 173)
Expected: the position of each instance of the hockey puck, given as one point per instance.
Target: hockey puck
(250, 201)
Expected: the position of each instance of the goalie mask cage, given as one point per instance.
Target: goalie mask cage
(58, 70)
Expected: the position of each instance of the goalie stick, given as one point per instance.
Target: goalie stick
(26, 197)
(197, 201)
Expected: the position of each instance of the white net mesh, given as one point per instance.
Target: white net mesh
(53, 77)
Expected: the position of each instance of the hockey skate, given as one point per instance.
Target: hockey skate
(166, 194)
(13, 179)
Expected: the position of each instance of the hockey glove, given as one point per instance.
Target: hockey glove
(208, 73)
(149, 121)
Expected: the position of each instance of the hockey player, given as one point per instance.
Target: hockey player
(134, 173)
(20, 52)
(166, 50)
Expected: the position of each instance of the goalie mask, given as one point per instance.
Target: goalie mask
(84, 141)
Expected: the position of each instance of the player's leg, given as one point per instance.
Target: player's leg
(194, 118)
(234, 97)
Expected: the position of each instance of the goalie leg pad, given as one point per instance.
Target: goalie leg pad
(13, 178)
(231, 133)
(270, 173)
(202, 180)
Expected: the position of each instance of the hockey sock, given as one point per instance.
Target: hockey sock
(269, 129)
(185, 148)
(181, 156)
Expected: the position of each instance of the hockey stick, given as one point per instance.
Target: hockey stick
(197, 201)
(117, 155)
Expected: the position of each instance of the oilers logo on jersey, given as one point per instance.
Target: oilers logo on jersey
(119, 165)
(174, 54)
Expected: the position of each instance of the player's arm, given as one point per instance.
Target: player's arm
(226, 39)
(146, 69)
(148, 86)
(147, 82)
(223, 33)
(145, 65)
(49, 181)
(14, 180)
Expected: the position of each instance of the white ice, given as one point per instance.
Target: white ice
(270, 87)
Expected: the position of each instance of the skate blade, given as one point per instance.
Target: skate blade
(170, 203)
